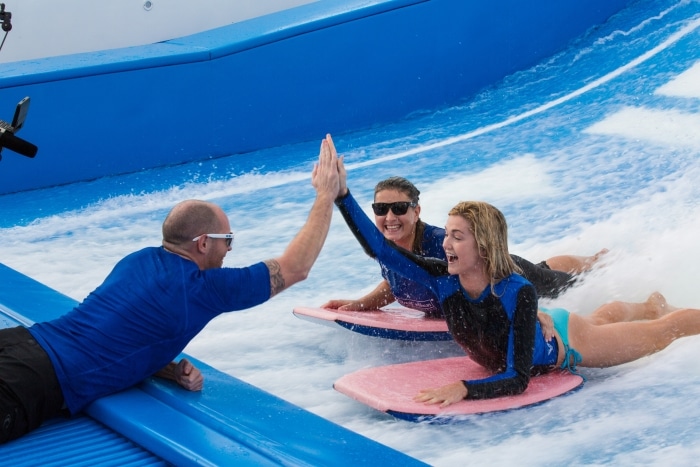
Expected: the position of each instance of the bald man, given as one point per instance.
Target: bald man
(148, 309)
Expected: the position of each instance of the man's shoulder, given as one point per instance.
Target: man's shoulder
(155, 256)
(145, 252)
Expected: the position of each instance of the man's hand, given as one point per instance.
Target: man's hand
(342, 173)
(183, 373)
(188, 376)
(324, 177)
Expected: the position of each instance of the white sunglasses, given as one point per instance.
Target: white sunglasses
(228, 237)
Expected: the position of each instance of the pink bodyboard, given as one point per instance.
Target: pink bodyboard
(391, 323)
(392, 388)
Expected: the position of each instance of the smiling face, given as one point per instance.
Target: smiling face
(185, 230)
(476, 244)
(400, 229)
(463, 253)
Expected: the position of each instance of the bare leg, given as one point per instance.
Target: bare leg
(574, 264)
(615, 312)
(618, 343)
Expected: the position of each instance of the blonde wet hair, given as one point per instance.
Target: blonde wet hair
(490, 230)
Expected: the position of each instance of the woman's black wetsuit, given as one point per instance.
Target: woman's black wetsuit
(548, 283)
(499, 331)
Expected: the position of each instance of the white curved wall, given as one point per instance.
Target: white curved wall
(46, 28)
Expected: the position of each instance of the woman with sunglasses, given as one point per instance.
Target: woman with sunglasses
(397, 216)
(492, 311)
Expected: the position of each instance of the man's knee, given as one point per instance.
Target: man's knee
(13, 422)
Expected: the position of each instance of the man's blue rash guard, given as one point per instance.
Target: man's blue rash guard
(140, 319)
(499, 331)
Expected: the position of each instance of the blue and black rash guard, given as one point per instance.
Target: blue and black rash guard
(548, 283)
(409, 293)
(498, 331)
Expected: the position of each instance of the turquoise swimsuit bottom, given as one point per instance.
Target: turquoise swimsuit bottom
(561, 323)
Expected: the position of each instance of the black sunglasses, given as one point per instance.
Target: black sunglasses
(399, 208)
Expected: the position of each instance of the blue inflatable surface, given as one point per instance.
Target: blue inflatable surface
(229, 423)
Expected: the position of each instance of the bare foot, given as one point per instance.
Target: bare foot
(589, 262)
(575, 264)
(658, 306)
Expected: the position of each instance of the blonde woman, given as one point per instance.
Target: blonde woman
(491, 310)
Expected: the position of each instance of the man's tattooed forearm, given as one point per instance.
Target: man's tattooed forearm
(276, 279)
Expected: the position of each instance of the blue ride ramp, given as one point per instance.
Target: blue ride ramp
(283, 78)
(229, 422)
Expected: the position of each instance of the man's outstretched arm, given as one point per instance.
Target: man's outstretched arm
(301, 253)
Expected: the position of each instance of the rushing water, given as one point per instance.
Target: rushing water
(597, 147)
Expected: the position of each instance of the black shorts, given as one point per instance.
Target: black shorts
(29, 390)
(548, 282)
